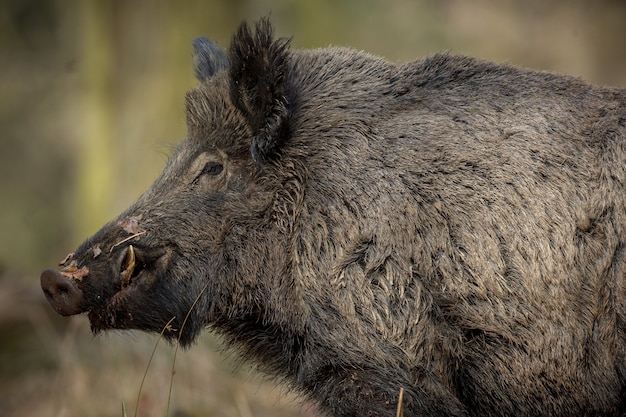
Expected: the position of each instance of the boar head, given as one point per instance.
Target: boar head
(202, 246)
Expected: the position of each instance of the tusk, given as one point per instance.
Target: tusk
(129, 266)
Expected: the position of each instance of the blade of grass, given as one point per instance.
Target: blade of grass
(195, 302)
(148, 366)
(143, 232)
(399, 409)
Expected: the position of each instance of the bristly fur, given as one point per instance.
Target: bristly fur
(258, 85)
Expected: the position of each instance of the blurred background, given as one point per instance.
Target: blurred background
(91, 103)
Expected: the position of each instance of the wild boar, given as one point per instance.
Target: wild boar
(450, 227)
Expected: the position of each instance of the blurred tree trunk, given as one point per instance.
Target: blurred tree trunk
(95, 150)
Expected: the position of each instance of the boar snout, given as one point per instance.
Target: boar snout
(62, 293)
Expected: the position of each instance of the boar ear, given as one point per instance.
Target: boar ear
(258, 86)
(208, 59)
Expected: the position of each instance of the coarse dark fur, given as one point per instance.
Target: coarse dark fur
(449, 226)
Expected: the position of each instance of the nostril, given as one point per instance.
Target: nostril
(63, 289)
(56, 289)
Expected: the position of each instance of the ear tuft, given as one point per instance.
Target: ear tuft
(258, 86)
(208, 59)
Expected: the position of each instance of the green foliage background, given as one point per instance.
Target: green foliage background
(91, 102)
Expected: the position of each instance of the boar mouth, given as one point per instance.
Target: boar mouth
(138, 269)
(137, 266)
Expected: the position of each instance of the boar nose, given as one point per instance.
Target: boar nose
(62, 293)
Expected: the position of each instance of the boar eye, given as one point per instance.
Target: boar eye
(210, 168)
